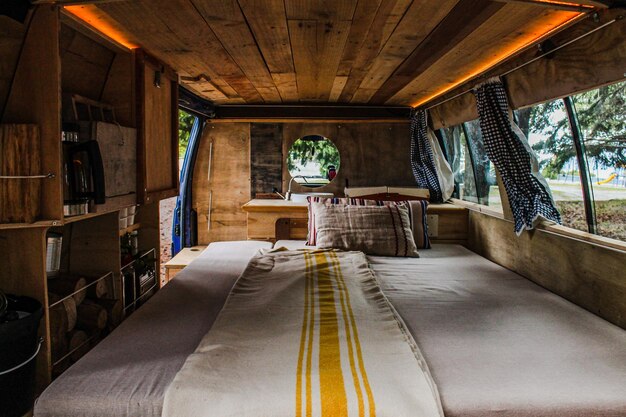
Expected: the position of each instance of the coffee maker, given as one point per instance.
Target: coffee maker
(83, 173)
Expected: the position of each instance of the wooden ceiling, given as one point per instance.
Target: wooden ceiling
(377, 52)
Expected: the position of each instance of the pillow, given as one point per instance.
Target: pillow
(417, 214)
(374, 230)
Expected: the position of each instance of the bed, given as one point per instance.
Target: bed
(496, 344)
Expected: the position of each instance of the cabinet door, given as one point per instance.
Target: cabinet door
(221, 184)
(157, 150)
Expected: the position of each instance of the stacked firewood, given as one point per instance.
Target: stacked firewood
(78, 322)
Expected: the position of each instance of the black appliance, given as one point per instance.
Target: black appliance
(83, 173)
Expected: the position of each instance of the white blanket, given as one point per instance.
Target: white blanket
(305, 333)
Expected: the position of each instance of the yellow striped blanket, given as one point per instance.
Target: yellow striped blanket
(305, 333)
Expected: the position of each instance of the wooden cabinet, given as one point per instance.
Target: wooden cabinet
(157, 114)
(60, 58)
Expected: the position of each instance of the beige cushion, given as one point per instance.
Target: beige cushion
(374, 230)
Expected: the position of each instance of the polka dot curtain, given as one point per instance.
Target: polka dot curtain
(422, 158)
(507, 147)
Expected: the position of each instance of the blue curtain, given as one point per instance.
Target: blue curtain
(507, 147)
(422, 158)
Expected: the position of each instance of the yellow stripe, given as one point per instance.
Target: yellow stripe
(332, 389)
(342, 295)
(311, 332)
(303, 333)
(368, 389)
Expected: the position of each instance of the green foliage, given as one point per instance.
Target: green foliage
(602, 118)
(304, 151)
(185, 123)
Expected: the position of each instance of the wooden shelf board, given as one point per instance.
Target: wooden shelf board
(130, 228)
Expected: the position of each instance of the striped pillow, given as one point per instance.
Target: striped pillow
(374, 230)
(417, 215)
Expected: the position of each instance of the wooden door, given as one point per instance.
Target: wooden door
(221, 183)
(157, 148)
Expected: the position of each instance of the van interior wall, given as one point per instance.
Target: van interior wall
(11, 39)
(592, 61)
(96, 71)
(587, 274)
(249, 158)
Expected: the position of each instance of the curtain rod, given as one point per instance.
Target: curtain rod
(584, 35)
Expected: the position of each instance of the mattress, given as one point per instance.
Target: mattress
(496, 344)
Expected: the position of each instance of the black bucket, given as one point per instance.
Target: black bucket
(19, 344)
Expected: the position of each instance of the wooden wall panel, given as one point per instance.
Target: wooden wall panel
(266, 157)
(371, 153)
(591, 62)
(36, 99)
(591, 276)
(85, 64)
(220, 197)
(11, 38)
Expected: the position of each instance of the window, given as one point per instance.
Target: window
(548, 131)
(601, 116)
(185, 124)
(474, 174)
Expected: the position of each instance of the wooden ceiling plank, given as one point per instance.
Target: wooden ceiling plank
(330, 10)
(268, 23)
(287, 86)
(511, 28)
(389, 13)
(229, 24)
(188, 30)
(410, 32)
(317, 50)
(338, 85)
(362, 21)
(464, 18)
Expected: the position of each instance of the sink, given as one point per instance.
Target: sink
(301, 197)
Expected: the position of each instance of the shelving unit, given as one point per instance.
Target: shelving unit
(59, 58)
(133, 293)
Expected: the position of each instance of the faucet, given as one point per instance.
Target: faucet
(288, 195)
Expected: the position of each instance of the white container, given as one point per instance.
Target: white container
(123, 223)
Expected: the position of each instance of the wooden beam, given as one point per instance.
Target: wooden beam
(462, 20)
(260, 112)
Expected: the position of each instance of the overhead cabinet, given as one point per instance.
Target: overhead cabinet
(157, 115)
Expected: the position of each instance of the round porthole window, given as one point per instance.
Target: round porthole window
(313, 161)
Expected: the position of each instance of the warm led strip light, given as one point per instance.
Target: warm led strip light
(514, 49)
(94, 19)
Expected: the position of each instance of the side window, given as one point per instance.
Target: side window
(602, 119)
(474, 174)
(548, 131)
(185, 124)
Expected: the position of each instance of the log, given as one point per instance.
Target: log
(68, 306)
(91, 316)
(77, 340)
(58, 332)
(98, 290)
(114, 308)
(64, 285)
